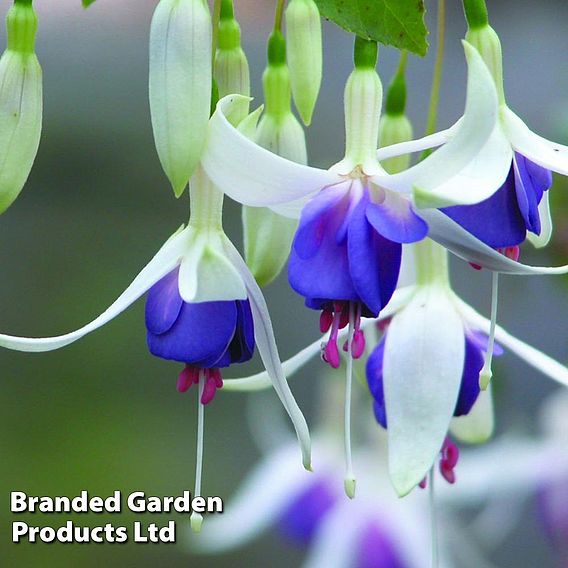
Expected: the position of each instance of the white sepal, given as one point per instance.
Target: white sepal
(531, 355)
(469, 138)
(268, 350)
(250, 174)
(540, 241)
(456, 239)
(537, 149)
(165, 260)
(422, 370)
(180, 85)
(477, 426)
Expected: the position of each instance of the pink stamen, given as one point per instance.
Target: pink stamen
(330, 354)
(358, 344)
(513, 252)
(189, 376)
(383, 324)
(476, 266)
(450, 456)
(424, 483)
(326, 319)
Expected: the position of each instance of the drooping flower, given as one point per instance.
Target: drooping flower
(423, 370)
(204, 309)
(21, 102)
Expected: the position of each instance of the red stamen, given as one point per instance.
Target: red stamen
(476, 266)
(326, 319)
(190, 376)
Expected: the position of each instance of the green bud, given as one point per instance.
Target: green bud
(365, 53)
(394, 126)
(305, 54)
(231, 69)
(487, 42)
(277, 94)
(180, 85)
(393, 129)
(21, 103)
(268, 235)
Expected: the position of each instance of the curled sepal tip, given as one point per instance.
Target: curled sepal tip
(304, 38)
(180, 85)
(20, 103)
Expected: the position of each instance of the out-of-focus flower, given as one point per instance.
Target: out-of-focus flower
(180, 85)
(21, 102)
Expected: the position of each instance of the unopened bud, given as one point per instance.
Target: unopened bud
(268, 235)
(180, 85)
(20, 103)
(231, 66)
(304, 37)
(394, 126)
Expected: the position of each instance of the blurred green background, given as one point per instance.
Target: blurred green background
(103, 414)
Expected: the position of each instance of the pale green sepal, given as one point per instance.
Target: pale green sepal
(304, 54)
(423, 366)
(249, 124)
(21, 104)
(540, 241)
(476, 427)
(180, 85)
(268, 350)
(206, 274)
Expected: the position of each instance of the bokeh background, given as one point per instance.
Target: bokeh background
(103, 414)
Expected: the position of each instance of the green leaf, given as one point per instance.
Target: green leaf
(87, 3)
(399, 23)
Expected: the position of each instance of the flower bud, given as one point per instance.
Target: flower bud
(304, 38)
(486, 41)
(231, 65)
(394, 126)
(20, 103)
(180, 85)
(267, 234)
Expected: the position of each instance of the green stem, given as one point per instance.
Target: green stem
(476, 13)
(401, 70)
(215, 30)
(23, 2)
(278, 15)
(437, 78)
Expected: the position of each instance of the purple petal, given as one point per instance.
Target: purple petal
(395, 220)
(163, 304)
(482, 341)
(374, 261)
(200, 335)
(497, 221)
(374, 372)
(469, 390)
(528, 193)
(242, 345)
(326, 209)
(541, 177)
(319, 267)
(301, 519)
(376, 549)
(552, 512)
